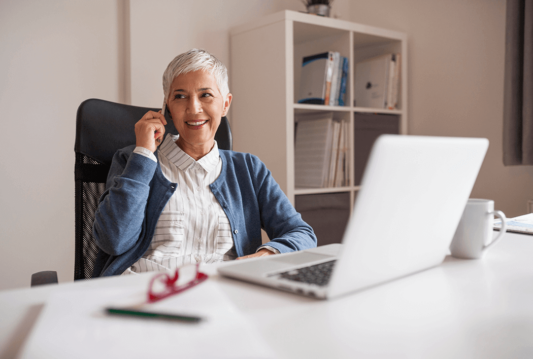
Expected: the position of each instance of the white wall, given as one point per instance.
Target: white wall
(456, 70)
(54, 55)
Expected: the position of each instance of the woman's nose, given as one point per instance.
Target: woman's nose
(194, 105)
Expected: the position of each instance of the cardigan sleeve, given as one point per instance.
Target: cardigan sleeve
(120, 214)
(284, 225)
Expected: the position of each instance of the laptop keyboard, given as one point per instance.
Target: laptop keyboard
(318, 274)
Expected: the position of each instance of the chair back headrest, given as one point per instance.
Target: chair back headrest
(103, 127)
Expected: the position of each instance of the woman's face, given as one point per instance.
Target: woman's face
(197, 107)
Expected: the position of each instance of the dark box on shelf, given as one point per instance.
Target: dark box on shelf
(367, 128)
(327, 213)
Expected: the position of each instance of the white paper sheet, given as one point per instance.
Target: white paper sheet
(73, 325)
(521, 224)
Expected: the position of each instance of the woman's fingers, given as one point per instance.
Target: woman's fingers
(159, 133)
(153, 115)
(261, 253)
(150, 130)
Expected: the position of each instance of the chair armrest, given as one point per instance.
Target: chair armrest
(44, 277)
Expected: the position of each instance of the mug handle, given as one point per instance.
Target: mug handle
(502, 230)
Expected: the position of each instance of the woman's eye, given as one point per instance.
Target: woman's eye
(207, 94)
(178, 96)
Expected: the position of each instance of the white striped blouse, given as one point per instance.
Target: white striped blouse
(193, 227)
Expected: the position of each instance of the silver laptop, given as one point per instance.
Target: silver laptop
(412, 196)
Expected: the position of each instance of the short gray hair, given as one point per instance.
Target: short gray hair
(194, 60)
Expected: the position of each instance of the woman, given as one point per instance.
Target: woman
(187, 201)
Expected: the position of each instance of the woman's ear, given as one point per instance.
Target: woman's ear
(227, 104)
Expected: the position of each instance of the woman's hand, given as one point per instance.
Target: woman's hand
(150, 130)
(263, 252)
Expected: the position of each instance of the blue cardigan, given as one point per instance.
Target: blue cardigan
(137, 191)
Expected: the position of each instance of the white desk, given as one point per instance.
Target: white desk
(461, 309)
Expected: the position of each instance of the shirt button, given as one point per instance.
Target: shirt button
(235, 231)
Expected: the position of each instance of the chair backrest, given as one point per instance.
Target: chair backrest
(102, 128)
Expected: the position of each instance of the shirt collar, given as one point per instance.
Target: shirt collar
(182, 160)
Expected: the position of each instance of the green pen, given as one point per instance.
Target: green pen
(153, 315)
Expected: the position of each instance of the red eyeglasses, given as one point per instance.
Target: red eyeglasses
(164, 285)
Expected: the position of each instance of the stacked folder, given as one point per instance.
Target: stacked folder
(323, 79)
(377, 82)
(321, 151)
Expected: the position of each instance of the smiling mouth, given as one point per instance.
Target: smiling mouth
(196, 123)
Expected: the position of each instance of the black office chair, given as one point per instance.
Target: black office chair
(102, 128)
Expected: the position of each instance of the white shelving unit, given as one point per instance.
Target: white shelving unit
(266, 60)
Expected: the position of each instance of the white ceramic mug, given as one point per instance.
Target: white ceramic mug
(475, 230)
